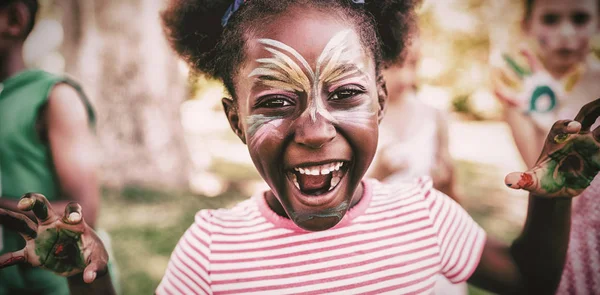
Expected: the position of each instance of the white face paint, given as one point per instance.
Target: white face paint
(338, 63)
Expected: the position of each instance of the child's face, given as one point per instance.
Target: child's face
(563, 30)
(308, 110)
(402, 77)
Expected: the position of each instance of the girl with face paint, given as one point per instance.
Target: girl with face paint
(549, 79)
(306, 98)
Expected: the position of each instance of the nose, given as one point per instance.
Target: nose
(314, 134)
(567, 30)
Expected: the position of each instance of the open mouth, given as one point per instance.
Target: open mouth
(318, 179)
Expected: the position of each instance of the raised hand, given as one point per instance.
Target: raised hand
(569, 161)
(65, 245)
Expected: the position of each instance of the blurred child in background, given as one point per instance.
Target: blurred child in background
(414, 135)
(414, 139)
(46, 144)
(551, 76)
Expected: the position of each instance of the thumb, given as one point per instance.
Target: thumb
(90, 272)
(521, 180)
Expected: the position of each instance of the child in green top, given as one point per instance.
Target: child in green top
(46, 144)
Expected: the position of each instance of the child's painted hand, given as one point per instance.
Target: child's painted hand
(64, 244)
(569, 161)
(524, 83)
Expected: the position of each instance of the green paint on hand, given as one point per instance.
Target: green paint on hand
(521, 71)
(574, 166)
(60, 250)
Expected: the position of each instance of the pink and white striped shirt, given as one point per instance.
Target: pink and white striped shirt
(395, 240)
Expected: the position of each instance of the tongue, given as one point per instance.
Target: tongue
(311, 183)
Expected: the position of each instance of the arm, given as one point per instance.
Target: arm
(534, 263)
(73, 150)
(65, 121)
(568, 163)
(443, 175)
(528, 139)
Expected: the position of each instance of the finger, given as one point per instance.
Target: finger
(560, 132)
(19, 223)
(91, 272)
(72, 214)
(39, 205)
(13, 258)
(531, 60)
(505, 97)
(588, 115)
(518, 180)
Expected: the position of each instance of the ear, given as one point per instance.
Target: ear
(382, 97)
(231, 111)
(18, 20)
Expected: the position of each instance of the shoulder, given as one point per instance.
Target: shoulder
(404, 191)
(65, 106)
(218, 220)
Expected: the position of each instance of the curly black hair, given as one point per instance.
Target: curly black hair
(193, 27)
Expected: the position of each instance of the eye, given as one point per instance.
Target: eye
(550, 19)
(580, 18)
(274, 102)
(346, 92)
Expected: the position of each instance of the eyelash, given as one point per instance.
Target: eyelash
(268, 101)
(353, 90)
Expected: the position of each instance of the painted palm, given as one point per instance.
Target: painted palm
(570, 159)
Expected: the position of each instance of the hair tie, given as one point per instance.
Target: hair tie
(230, 10)
(238, 3)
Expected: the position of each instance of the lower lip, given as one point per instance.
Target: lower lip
(320, 200)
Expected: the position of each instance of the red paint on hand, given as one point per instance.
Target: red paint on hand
(525, 181)
(59, 249)
(12, 260)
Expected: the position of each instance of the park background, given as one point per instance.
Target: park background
(167, 150)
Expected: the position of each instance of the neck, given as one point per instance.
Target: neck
(12, 62)
(558, 72)
(400, 98)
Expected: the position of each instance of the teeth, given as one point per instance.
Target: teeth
(295, 181)
(321, 169)
(334, 181)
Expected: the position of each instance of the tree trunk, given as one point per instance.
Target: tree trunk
(117, 50)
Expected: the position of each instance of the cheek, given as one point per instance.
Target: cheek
(264, 142)
(361, 119)
(544, 37)
(360, 125)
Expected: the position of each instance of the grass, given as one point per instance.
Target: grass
(145, 225)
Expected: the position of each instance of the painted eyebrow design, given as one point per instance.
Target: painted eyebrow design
(287, 69)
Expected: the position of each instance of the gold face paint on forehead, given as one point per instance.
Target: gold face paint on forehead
(338, 60)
